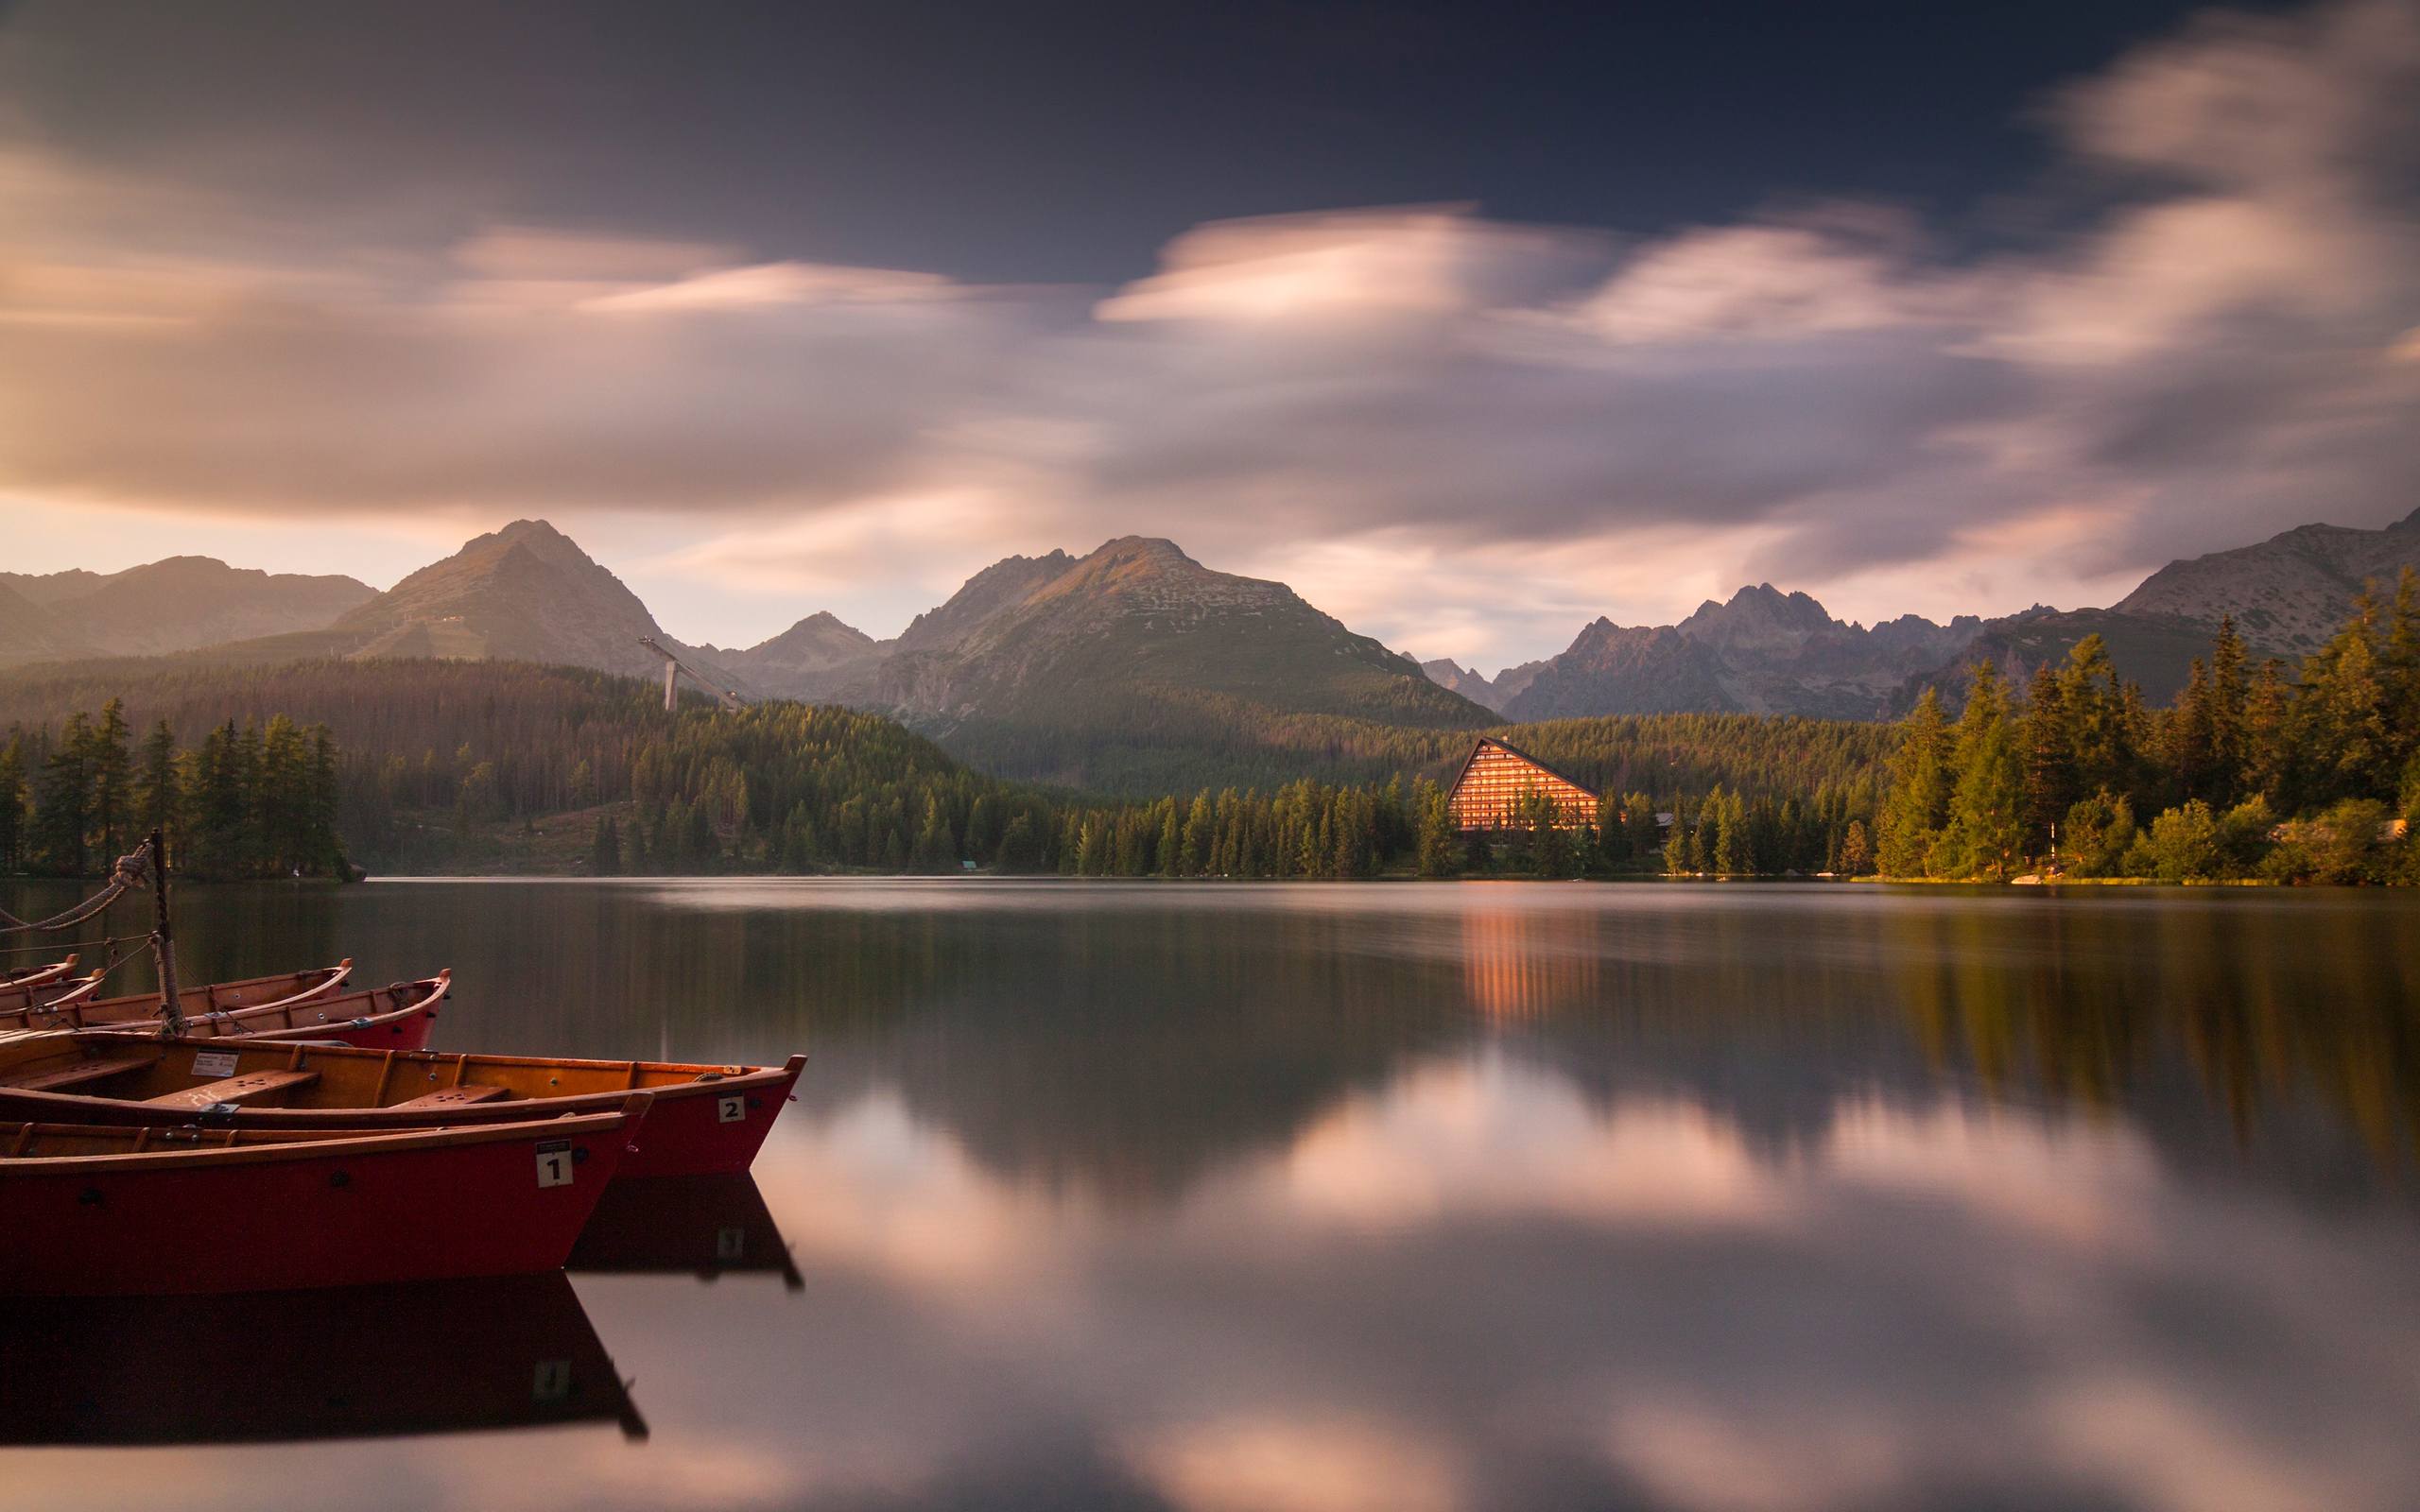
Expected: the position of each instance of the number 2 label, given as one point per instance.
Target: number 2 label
(554, 1164)
(730, 1109)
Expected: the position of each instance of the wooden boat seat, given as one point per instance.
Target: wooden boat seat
(77, 1075)
(455, 1098)
(250, 1087)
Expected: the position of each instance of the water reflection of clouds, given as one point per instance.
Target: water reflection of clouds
(1440, 1286)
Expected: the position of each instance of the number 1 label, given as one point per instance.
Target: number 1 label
(554, 1164)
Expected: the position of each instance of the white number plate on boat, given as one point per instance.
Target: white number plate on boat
(213, 1063)
(730, 1109)
(554, 1164)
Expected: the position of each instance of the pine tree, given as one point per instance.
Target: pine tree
(12, 806)
(2101, 733)
(63, 802)
(1437, 854)
(1676, 845)
(1638, 819)
(1857, 852)
(2342, 718)
(605, 848)
(1169, 855)
(1918, 805)
(112, 779)
(1985, 835)
(2230, 694)
(982, 828)
(2046, 747)
(1018, 851)
(155, 789)
(2268, 763)
(936, 850)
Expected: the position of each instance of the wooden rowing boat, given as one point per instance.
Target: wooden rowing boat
(386, 1018)
(76, 1007)
(707, 1119)
(133, 1211)
(21, 992)
(352, 1362)
(33, 976)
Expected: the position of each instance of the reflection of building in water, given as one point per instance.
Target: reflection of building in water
(1495, 777)
(1524, 964)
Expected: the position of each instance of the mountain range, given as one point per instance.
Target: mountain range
(1112, 669)
(177, 604)
(1104, 669)
(1769, 652)
(1764, 652)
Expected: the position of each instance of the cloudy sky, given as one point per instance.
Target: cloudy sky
(1471, 323)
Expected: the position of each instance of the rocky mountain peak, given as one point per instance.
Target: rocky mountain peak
(1761, 615)
(2287, 593)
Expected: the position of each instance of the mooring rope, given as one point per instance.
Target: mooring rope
(128, 872)
(46, 947)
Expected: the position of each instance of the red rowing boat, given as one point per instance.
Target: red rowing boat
(123, 1212)
(386, 1018)
(707, 1120)
(77, 1008)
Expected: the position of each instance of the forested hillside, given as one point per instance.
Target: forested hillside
(445, 765)
(450, 765)
(456, 765)
(2293, 775)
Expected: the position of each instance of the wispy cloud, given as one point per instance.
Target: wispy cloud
(2205, 339)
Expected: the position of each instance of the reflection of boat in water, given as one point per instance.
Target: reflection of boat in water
(435, 1357)
(708, 1226)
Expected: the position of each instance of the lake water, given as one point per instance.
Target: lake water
(1323, 1197)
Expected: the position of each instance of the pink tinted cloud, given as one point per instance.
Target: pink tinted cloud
(2204, 355)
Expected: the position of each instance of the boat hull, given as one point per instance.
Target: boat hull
(694, 1128)
(335, 1211)
(406, 1028)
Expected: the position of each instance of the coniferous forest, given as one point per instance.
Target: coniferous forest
(2264, 771)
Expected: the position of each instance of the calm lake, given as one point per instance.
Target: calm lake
(1323, 1197)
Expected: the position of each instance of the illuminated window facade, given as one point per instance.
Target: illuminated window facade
(1496, 778)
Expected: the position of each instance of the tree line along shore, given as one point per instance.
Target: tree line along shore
(2253, 772)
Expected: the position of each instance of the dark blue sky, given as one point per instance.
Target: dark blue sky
(1070, 141)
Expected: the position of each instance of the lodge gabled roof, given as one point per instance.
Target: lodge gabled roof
(1513, 750)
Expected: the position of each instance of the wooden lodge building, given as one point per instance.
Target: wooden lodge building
(1495, 779)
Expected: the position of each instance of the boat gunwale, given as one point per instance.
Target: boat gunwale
(280, 1147)
(79, 1000)
(436, 987)
(34, 976)
(123, 1112)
